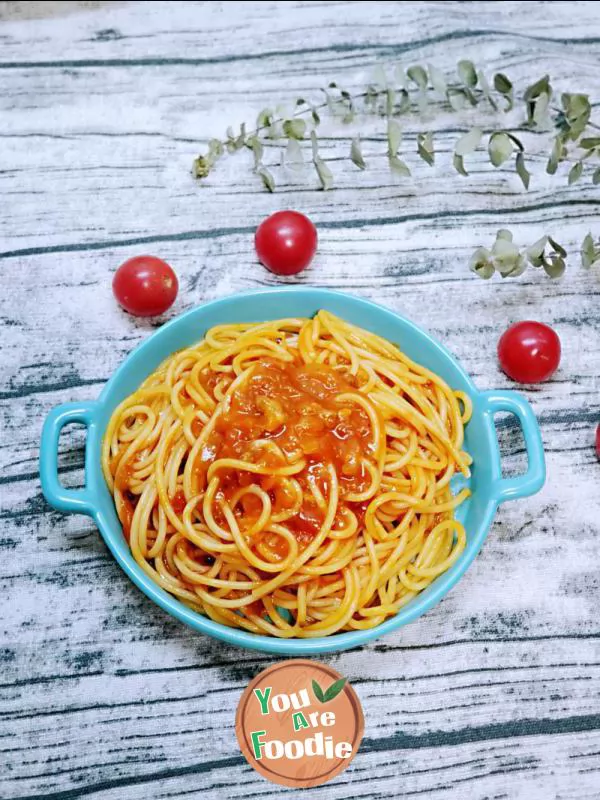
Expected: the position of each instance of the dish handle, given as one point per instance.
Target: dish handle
(533, 479)
(69, 501)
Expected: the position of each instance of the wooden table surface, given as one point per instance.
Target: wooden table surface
(493, 694)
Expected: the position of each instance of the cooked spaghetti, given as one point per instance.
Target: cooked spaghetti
(291, 477)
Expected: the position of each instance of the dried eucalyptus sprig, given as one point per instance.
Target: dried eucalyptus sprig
(410, 92)
(510, 261)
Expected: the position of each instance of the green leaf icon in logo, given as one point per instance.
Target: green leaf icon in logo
(331, 693)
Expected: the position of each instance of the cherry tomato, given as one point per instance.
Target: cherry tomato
(529, 352)
(286, 242)
(145, 286)
(598, 441)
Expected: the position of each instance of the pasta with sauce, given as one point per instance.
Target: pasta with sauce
(290, 477)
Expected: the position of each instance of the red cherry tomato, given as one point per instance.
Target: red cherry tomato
(529, 352)
(145, 286)
(286, 242)
(598, 441)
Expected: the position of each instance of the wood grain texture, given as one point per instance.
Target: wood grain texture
(493, 694)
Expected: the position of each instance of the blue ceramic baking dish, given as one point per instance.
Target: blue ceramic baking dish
(488, 487)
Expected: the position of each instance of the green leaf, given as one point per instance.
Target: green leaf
(577, 112)
(468, 142)
(425, 147)
(399, 166)
(500, 148)
(535, 253)
(590, 142)
(516, 141)
(404, 102)
(438, 81)
(457, 98)
(555, 155)
(394, 136)
(575, 172)
(557, 247)
(390, 97)
(324, 173)
(267, 178)
(502, 84)
(596, 177)
(215, 148)
(481, 263)
(335, 688)
(459, 165)
(264, 118)
(418, 75)
(554, 267)
(589, 255)
(522, 170)
(201, 167)
(294, 128)
(504, 235)
(467, 73)
(318, 692)
(294, 157)
(257, 149)
(542, 86)
(356, 153)
(486, 89)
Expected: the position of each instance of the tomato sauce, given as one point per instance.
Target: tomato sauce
(292, 405)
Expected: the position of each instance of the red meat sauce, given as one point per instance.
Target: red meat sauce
(292, 404)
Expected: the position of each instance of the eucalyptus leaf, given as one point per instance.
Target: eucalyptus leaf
(294, 157)
(418, 75)
(596, 177)
(459, 165)
(502, 84)
(468, 142)
(215, 148)
(554, 267)
(577, 112)
(540, 111)
(541, 86)
(438, 81)
(201, 167)
(504, 235)
(425, 148)
(557, 247)
(267, 178)
(535, 253)
(356, 155)
(590, 142)
(294, 128)
(467, 73)
(390, 98)
(515, 141)
(257, 149)
(264, 118)
(522, 170)
(394, 136)
(481, 263)
(555, 155)
(457, 98)
(588, 251)
(398, 165)
(500, 148)
(486, 89)
(404, 104)
(324, 173)
(575, 172)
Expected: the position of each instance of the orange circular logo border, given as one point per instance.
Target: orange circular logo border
(314, 670)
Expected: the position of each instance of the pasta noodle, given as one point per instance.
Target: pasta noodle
(290, 477)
